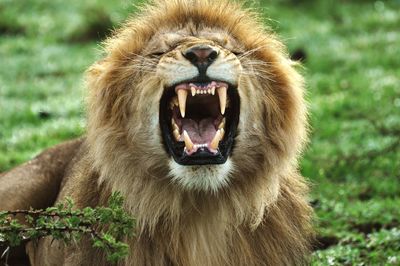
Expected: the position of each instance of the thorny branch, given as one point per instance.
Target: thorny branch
(105, 225)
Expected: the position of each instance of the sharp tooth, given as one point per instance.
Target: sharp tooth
(222, 133)
(173, 123)
(198, 92)
(193, 89)
(182, 94)
(222, 98)
(214, 143)
(213, 90)
(188, 142)
(176, 134)
(209, 91)
(222, 124)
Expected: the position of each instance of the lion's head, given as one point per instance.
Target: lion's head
(197, 94)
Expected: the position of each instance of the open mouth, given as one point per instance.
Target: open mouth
(199, 120)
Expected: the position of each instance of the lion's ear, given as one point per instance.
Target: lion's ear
(96, 68)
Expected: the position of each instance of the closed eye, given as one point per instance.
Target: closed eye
(156, 54)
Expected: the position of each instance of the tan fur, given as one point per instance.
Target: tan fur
(260, 216)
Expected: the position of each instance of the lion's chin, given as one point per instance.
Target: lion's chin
(208, 178)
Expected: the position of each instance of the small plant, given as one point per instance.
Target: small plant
(105, 225)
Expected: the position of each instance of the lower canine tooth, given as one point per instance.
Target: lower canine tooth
(222, 125)
(222, 98)
(182, 95)
(174, 125)
(188, 142)
(176, 134)
(217, 138)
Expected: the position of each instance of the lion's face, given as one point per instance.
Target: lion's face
(201, 104)
(199, 110)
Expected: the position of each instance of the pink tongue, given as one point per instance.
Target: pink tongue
(199, 132)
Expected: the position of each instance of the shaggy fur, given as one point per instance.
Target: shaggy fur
(255, 211)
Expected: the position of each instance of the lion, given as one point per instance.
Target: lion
(197, 116)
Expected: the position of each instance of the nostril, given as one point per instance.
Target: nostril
(213, 55)
(200, 55)
(191, 56)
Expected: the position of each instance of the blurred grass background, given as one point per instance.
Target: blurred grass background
(351, 54)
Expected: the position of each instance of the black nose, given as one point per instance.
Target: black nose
(201, 56)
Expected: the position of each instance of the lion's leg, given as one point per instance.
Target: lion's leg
(36, 183)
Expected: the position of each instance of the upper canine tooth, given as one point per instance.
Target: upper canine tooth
(182, 95)
(222, 98)
(193, 89)
(188, 142)
(213, 90)
(214, 143)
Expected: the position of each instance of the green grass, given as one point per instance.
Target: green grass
(352, 70)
